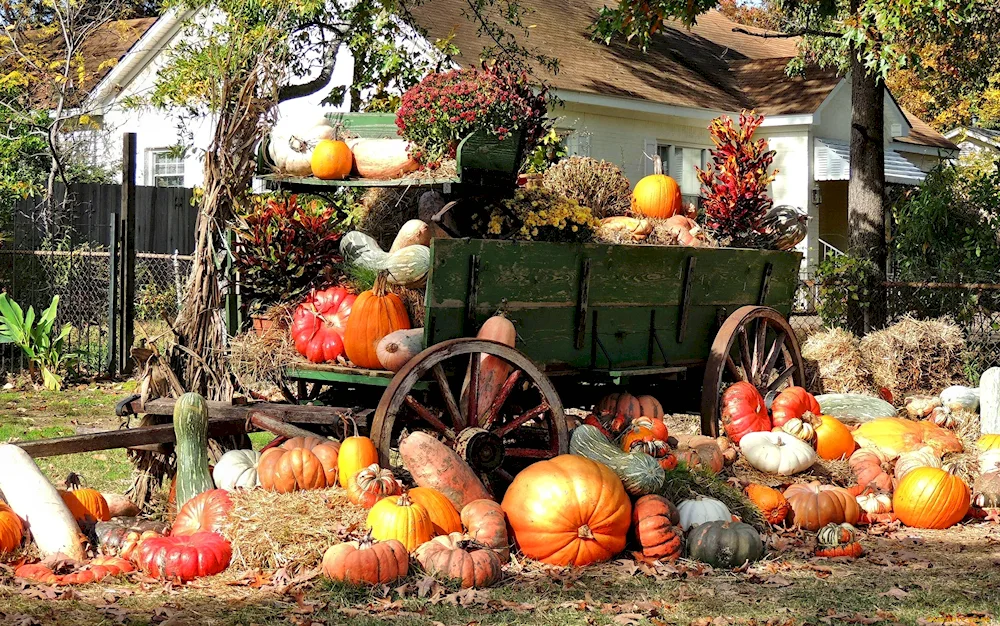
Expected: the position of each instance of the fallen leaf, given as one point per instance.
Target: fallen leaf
(895, 592)
(777, 581)
(628, 619)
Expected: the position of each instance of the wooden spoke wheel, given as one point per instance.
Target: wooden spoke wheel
(757, 345)
(497, 436)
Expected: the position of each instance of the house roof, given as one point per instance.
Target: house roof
(986, 135)
(707, 67)
(100, 51)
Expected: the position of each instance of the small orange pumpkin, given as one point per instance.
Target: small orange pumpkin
(86, 505)
(772, 504)
(657, 195)
(11, 529)
(332, 160)
(444, 516)
(833, 440)
(371, 485)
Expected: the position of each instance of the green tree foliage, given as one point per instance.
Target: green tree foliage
(24, 155)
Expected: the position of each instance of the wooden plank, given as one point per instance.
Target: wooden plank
(291, 413)
(124, 438)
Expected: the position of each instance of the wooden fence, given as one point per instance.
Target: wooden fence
(165, 217)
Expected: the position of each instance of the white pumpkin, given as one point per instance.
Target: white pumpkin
(959, 398)
(701, 510)
(777, 453)
(989, 400)
(293, 140)
(875, 503)
(362, 250)
(909, 461)
(237, 469)
(408, 266)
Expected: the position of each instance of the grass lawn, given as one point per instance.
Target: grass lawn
(907, 576)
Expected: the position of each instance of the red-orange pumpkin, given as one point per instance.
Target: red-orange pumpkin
(319, 322)
(793, 403)
(371, 485)
(655, 524)
(184, 558)
(772, 504)
(743, 411)
(205, 512)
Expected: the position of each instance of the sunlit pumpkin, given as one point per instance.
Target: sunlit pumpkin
(773, 506)
(657, 195)
(11, 529)
(319, 323)
(376, 313)
(833, 439)
(399, 518)
(568, 511)
(444, 516)
(332, 160)
(929, 497)
(895, 436)
(743, 411)
(86, 505)
(792, 403)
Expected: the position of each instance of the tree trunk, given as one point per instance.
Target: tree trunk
(866, 194)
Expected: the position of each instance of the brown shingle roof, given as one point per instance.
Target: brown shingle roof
(706, 67)
(921, 134)
(99, 52)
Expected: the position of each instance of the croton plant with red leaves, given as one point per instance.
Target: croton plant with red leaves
(734, 185)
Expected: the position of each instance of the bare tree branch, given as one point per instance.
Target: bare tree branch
(798, 33)
(291, 92)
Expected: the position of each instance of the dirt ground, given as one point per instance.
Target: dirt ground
(906, 576)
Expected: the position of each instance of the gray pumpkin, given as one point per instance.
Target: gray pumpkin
(724, 545)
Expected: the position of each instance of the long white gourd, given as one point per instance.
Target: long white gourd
(36, 501)
(989, 401)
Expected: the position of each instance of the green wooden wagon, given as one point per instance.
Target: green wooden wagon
(587, 316)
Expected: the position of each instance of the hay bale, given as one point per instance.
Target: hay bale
(834, 363)
(413, 300)
(269, 530)
(966, 462)
(827, 472)
(259, 361)
(382, 211)
(916, 356)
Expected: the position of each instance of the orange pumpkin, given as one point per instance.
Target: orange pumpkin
(792, 403)
(655, 424)
(444, 517)
(371, 485)
(568, 510)
(636, 437)
(833, 439)
(929, 497)
(286, 471)
(814, 505)
(657, 195)
(895, 436)
(86, 505)
(375, 314)
(618, 410)
(655, 524)
(773, 506)
(11, 529)
(332, 160)
(356, 453)
(872, 469)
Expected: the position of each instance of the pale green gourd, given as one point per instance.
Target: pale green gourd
(191, 432)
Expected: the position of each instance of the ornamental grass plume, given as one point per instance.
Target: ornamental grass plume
(735, 182)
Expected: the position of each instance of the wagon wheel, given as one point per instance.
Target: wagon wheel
(757, 345)
(524, 423)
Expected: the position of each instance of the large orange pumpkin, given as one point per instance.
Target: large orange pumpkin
(815, 505)
(86, 505)
(375, 314)
(206, 512)
(332, 160)
(657, 195)
(11, 529)
(568, 511)
(833, 439)
(285, 470)
(791, 403)
(895, 436)
(929, 497)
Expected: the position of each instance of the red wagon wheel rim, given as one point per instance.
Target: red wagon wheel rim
(472, 431)
(756, 345)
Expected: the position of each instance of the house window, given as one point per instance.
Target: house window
(166, 168)
(680, 162)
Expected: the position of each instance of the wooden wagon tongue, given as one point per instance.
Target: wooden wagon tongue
(286, 420)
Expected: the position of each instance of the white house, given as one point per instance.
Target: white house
(973, 140)
(618, 104)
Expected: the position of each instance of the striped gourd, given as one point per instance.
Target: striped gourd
(191, 432)
(639, 472)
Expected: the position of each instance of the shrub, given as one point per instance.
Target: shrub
(445, 107)
(600, 185)
(284, 247)
(735, 183)
(842, 279)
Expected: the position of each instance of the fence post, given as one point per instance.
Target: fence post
(111, 366)
(127, 239)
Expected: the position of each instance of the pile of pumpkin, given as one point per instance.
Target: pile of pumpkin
(313, 147)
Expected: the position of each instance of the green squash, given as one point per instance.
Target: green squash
(639, 472)
(724, 544)
(860, 407)
(191, 432)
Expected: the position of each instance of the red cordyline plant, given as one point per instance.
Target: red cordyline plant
(734, 186)
(284, 247)
(445, 107)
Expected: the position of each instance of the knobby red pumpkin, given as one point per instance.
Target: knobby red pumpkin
(655, 524)
(743, 411)
(184, 558)
(319, 322)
